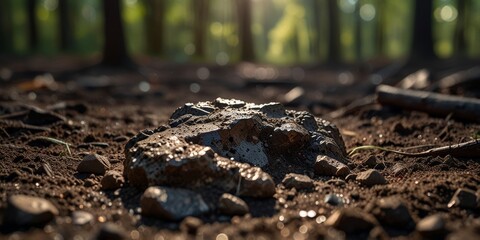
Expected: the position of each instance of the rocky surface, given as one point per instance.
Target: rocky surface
(230, 144)
(172, 203)
(297, 181)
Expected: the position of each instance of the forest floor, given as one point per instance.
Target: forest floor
(101, 109)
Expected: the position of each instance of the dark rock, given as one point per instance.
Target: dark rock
(25, 210)
(172, 203)
(432, 226)
(298, 181)
(232, 205)
(94, 163)
(82, 218)
(399, 169)
(371, 177)
(351, 177)
(334, 200)
(393, 211)
(327, 166)
(216, 143)
(89, 182)
(464, 198)
(112, 180)
(351, 220)
(110, 231)
(370, 162)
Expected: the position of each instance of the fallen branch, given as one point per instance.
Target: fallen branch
(432, 103)
(470, 149)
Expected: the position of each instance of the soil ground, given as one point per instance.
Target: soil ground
(104, 108)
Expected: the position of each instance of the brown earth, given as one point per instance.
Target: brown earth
(102, 113)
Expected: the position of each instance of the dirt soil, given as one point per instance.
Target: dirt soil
(102, 109)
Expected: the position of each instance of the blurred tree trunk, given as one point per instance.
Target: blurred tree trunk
(380, 26)
(244, 14)
(317, 26)
(358, 32)
(201, 11)
(462, 22)
(32, 24)
(6, 27)
(333, 32)
(65, 25)
(155, 25)
(114, 49)
(422, 41)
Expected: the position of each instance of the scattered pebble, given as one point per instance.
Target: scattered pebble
(82, 218)
(431, 226)
(190, 225)
(110, 231)
(25, 210)
(334, 200)
(393, 211)
(94, 163)
(351, 220)
(399, 169)
(172, 203)
(370, 162)
(464, 198)
(371, 177)
(298, 181)
(327, 166)
(232, 205)
(112, 180)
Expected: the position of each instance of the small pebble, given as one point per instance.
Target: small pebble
(190, 225)
(351, 220)
(25, 210)
(334, 200)
(298, 181)
(112, 180)
(82, 218)
(327, 166)
(393, 211)
(172, 203)
(432, 226)
(370, 162)
(371, 177)
(94, 163)
(232, 205)
(110, 231)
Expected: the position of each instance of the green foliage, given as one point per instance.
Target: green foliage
(285, 31)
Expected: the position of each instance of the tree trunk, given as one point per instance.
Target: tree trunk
(244, 12)
(358, 33)
(32, 24)
(6, 27)
(65, 25)
(462, 20)
(333, 32)
(380, 24)
(422, 45)
(114, 49)
(201, 11)
(155, 25)
(318, 29)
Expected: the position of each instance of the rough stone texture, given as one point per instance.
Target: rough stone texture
(25, 210)
(172, 203)
(393, 211)
(112, 180)
(351, 220)
(328, 166)
(94, 163)
(464, 198)
(371, 177)
(432, 226)
(297, 181)
(232, 205)
(216, 143)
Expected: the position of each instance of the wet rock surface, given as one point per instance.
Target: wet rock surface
(233, 145)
